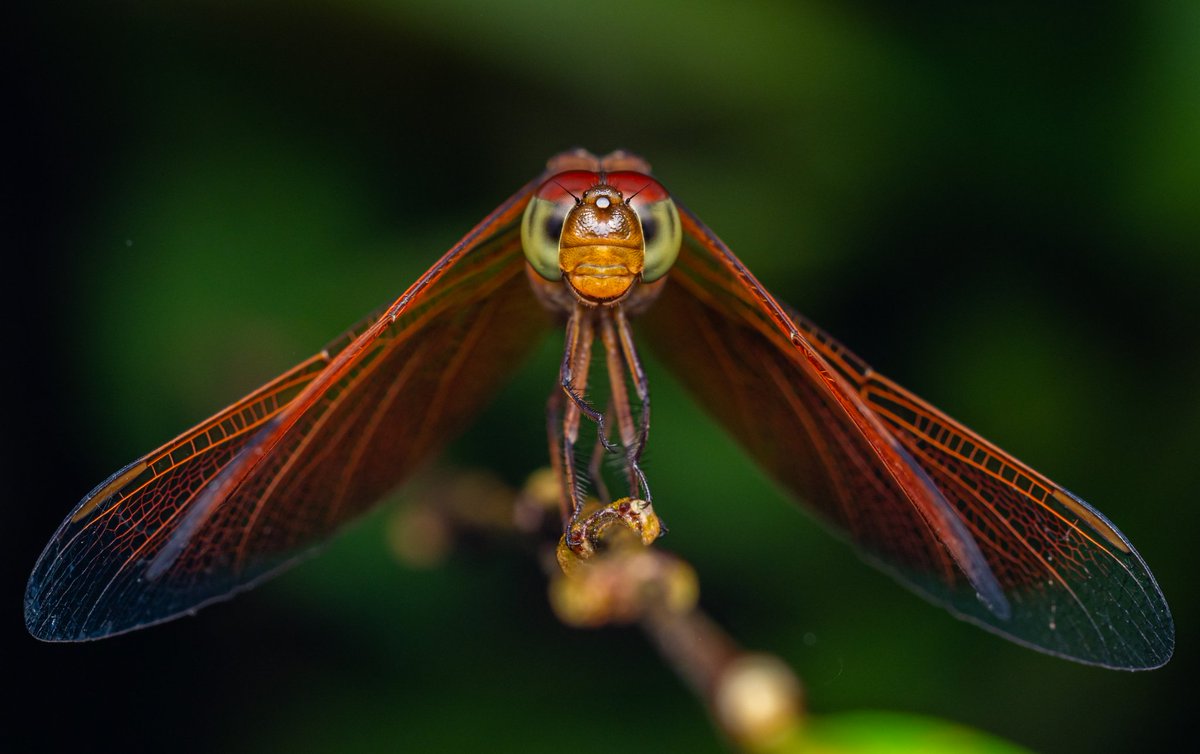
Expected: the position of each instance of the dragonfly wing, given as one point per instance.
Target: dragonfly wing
(247, 492)
(1079, 588)
(833, 432)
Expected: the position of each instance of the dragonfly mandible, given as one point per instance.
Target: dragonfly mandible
(591, 244)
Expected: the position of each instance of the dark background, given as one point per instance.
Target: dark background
(996, 204)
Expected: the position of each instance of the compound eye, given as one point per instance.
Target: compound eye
(659, 217)
(660, 228)
(541, 226)
(540, 231)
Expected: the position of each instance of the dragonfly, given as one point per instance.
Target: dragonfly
(589, 247)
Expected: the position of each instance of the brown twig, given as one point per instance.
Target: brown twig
(754, 699)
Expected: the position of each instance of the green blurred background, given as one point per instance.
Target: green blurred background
(995, 203)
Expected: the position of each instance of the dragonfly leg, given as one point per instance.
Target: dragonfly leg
(577, 359)
(633, 438)
(640, 383)
(635, 512)
(577, 356)
(596, 472)
(637, 375)
(563, 468)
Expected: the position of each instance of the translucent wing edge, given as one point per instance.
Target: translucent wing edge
(1057, 499)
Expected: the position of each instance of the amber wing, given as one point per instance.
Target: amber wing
(247, 492)
(830, 429)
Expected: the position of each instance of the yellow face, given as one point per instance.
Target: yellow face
(585, 228)
(601, 251)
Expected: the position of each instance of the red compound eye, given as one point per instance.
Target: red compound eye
(564, 187)
(637, 188)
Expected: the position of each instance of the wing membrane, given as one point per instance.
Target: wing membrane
(831, 430)
(1077, 585)
(246, 493)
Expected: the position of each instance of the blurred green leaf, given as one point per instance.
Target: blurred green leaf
(891, 733)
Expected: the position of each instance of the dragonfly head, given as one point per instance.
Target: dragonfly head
(601, 250)
(601, 232)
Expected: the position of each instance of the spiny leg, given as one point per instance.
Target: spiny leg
(577, 355)
(577, 359)
(629, 359)
(632, 438)
(640, 383)
(636, 513)
(564, 469)
(596, 473)
(571, 492)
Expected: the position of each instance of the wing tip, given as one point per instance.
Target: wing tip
(44, 619)
(41, 623)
